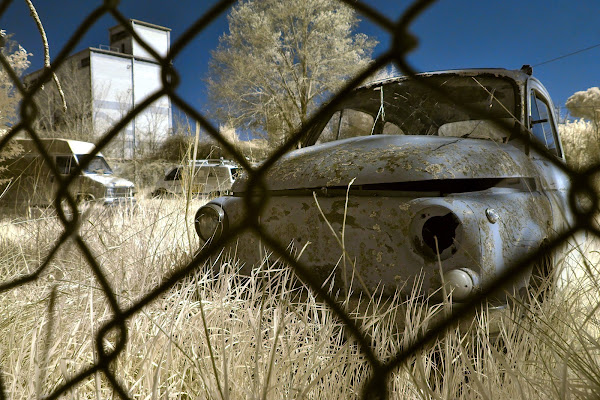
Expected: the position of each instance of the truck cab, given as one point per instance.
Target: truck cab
(27, 179)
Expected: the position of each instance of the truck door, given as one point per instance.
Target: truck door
(65, 165)
(555, 182)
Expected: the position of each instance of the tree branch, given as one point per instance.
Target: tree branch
(38, 22)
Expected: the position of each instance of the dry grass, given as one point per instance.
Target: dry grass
(263, 336)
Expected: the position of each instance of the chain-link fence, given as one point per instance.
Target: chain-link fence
(401, 44)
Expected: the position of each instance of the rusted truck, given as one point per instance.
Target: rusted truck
(416, 187)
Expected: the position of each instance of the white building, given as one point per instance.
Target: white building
(118, 77)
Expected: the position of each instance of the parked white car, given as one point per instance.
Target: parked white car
(211, 176)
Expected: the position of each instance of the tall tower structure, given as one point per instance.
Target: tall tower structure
(117, 77)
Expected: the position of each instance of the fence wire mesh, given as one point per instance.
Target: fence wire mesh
(402, 42)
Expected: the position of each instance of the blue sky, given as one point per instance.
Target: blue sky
(452, 34)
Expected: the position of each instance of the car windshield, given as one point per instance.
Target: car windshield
(409, 108)
(98, 165)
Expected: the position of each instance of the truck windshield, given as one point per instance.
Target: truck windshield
(98, 165)
(408, 108)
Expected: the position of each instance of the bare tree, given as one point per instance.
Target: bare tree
(74, 122)
(280, 59)
(151, 126)
(10, 98)
(40, 26)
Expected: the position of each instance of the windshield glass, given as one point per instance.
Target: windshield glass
(409, 108)
(98, 165)
(220, 173)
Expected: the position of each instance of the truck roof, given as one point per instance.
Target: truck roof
(519, 75)
(60, 146)
(212, 162)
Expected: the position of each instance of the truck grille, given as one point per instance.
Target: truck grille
(123, 192)
(114, 192)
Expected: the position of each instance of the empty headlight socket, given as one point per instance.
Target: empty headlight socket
(436, 222)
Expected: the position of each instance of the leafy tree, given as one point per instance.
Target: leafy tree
(9, 96)
(577, 138)
(280, 59)
(586, 105)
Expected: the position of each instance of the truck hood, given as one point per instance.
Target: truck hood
(110, 180)
(391, 159)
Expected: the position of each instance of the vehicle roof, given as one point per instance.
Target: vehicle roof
(226, 164)
(58, 145)
(518, 75)
(213, 162)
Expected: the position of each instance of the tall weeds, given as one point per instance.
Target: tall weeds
(223, 336)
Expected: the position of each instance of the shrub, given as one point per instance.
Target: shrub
(579, 143)
(142, 172)
(174, 148)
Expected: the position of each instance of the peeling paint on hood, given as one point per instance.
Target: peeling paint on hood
(394, 158)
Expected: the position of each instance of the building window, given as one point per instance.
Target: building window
(85, 62)
(118, 36)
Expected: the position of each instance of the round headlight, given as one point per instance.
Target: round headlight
(210, 222)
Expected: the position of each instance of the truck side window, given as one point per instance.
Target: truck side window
(64, 163)
(541, 122)
(173, 175)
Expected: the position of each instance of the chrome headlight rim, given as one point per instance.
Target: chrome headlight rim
(207, 214)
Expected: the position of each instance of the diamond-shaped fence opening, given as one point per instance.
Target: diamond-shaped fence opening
(111, 340)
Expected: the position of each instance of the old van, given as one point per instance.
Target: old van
(27, 179)
(210, 176)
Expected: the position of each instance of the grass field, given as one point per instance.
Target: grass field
(234, 338)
